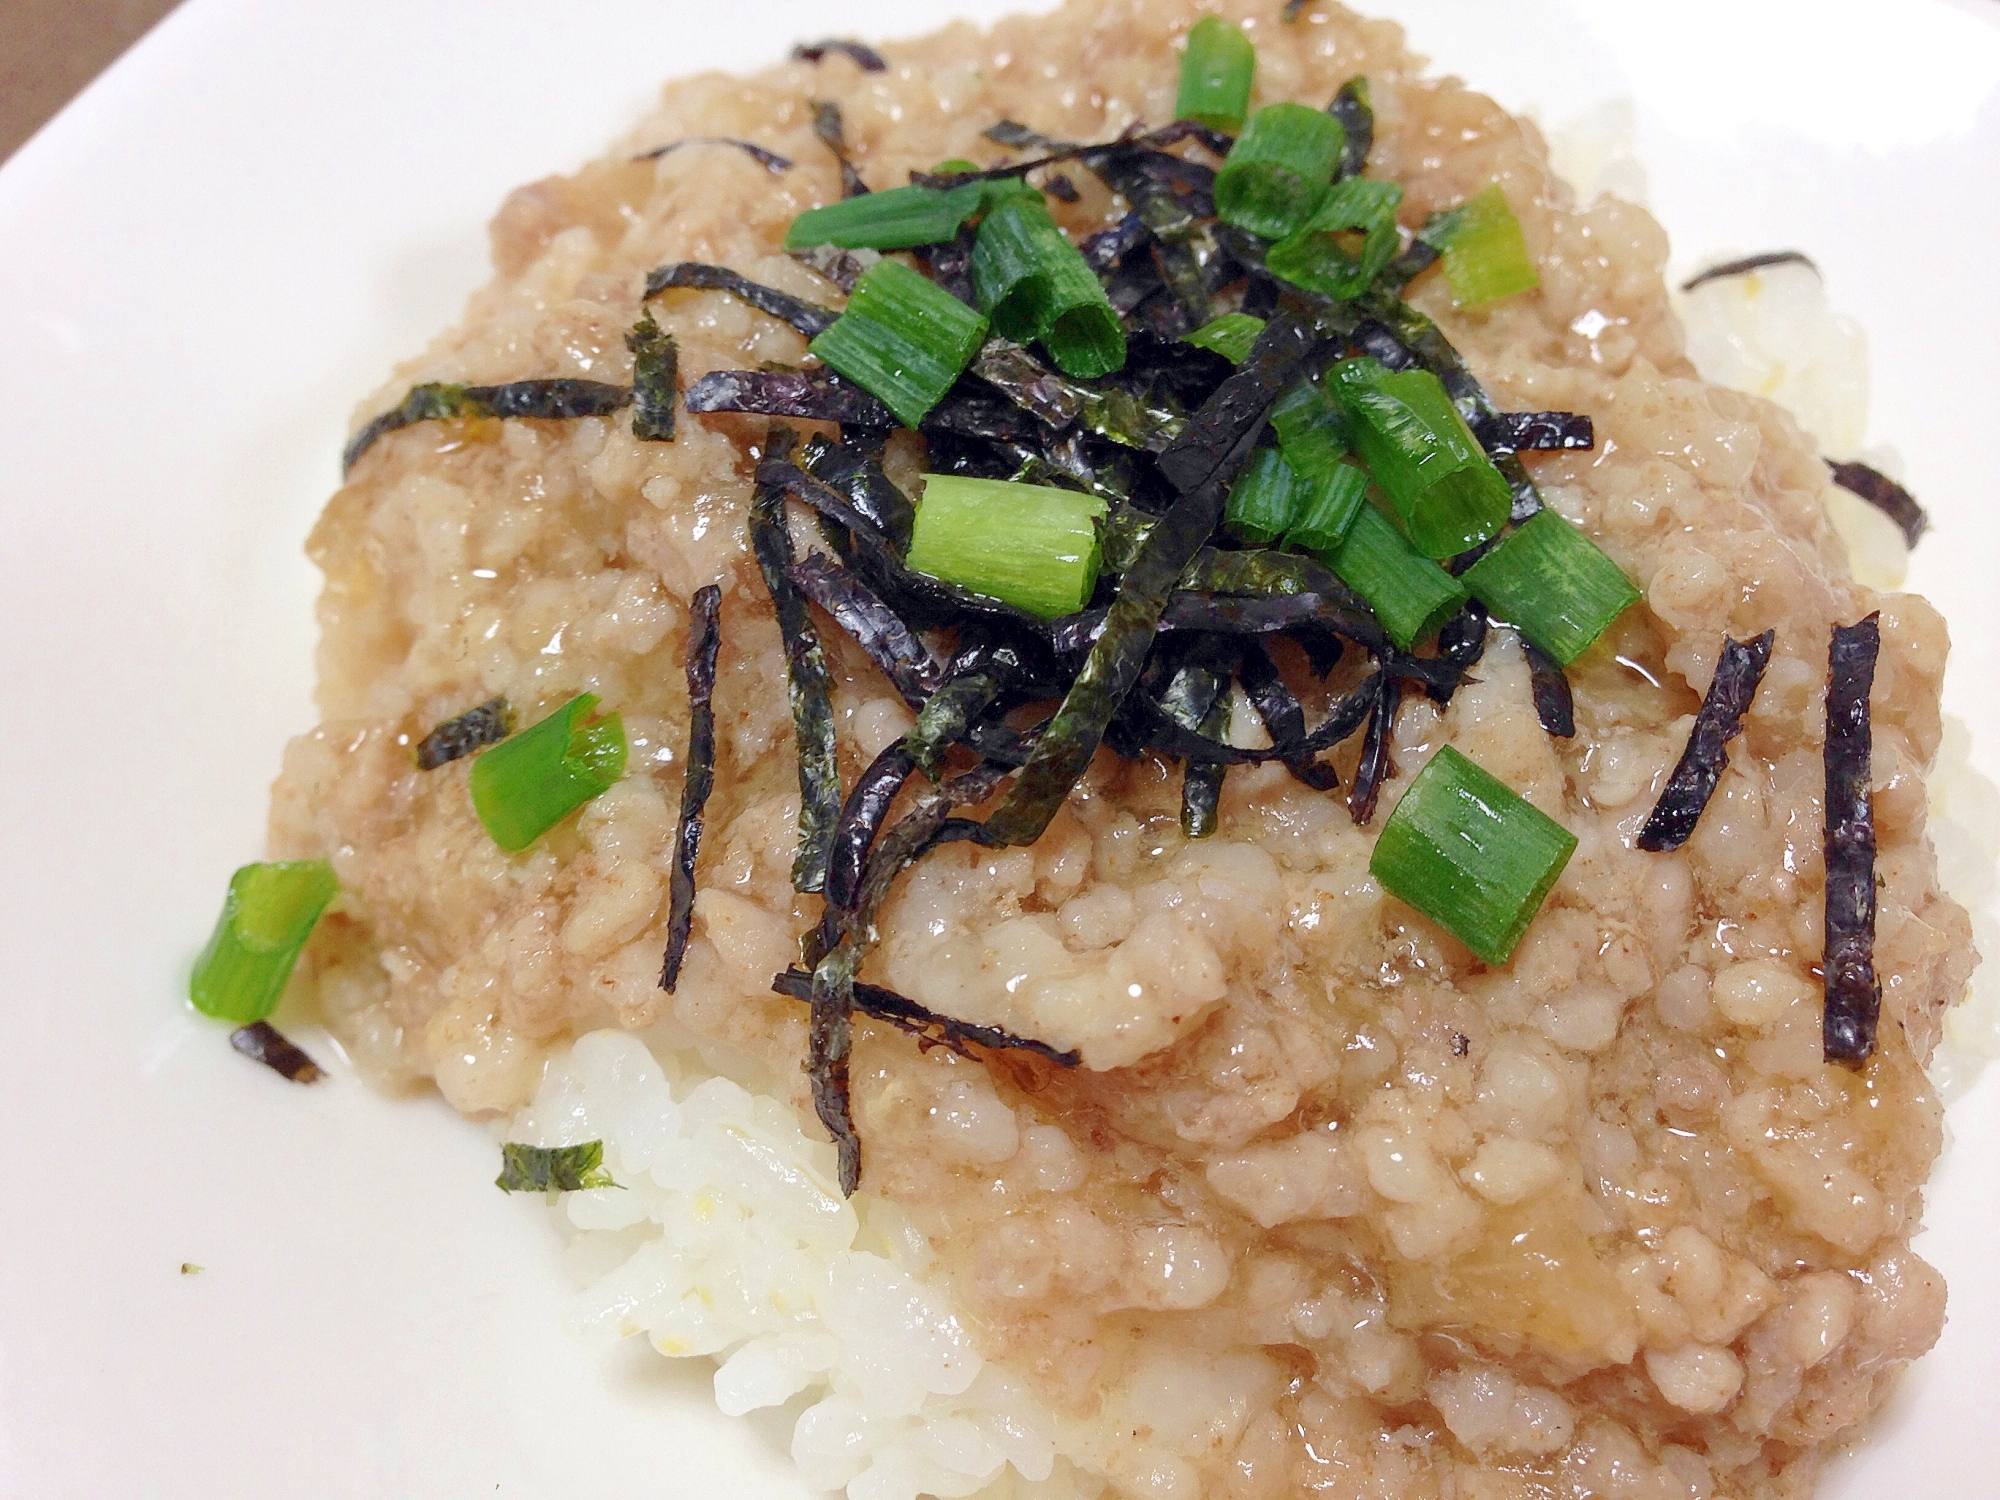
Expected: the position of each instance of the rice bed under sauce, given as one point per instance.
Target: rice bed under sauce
(1330, 1205)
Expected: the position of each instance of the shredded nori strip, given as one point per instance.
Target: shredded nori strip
(872, 493)
(1239, 405)
(815, 395)
(1415, 259)
(544, 400)
(1356, 113)
(1461, 641)
(1118, 655)
(876, 628)
(1198, 699)
(262, 1042)
(1375, 766)
(808, 317)
(488, 724)
(861, 819)
(950, 264)
(1108, 247)
(655, 380)
(1887, 496)
(557, 1169)
(1853, 992)
(979, 675)
(1292, 9)
(1111, 411)
(807, 678)
(1541, 431)
(1748, 264)
(927, 1026)
(704, 643)
(841, 267)
(1283, 717)
(832, 132)
(1555, 705)
(1059, 186)
(768, 159)
(1720, 719)
(863, 55)
(829, 1041)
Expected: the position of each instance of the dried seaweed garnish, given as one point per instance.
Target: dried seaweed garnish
(807, 678)
(950, 264)
(1292, 9)
(262, 1042)
(808, 317)
(1748, 264)
(1887, 496)
(488, 724)
(704, 643)
(1461, 640)
(1238, 615)
(1119, 653)
(873, 494)
(1415, 259)
(832, 132)
(927, 1026)
(1375, 765)
(1198, 699)
(1059, 186)
(864, 56)
(1555, 705)
(1111, 411)
(544, 400)
(876, 628)
(1539, 431)
(1283, 717)
(1737, 672)
(1170, 218)
(655, 380)
(766, 158)
(829, 1041)
(1853, 992)
(1356, 113)
(552, 1169)
(1105, 249)
(841, 267)
(861, 819)
(979, 674)
(815, 395)
(1239, 405)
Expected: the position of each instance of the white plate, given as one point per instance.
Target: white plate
(203, 263)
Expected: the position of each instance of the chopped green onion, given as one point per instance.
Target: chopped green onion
(1034, 284)
(903, 338)
(1553, 584)
(1417, 447)
(1331, 498)
(1216, 74)
(1230, 335)
(1315, 257)
(1310, 428)
(1410, 595)
(894, 219)
(1278, 170)
(1264, 501)
(1028, 545)
(1470, 854)
(266, 918)
(1485, 255)
(524, 786)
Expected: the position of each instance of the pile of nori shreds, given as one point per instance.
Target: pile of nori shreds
(1013, 706)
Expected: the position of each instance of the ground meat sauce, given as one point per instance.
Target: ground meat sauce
(1329, 1204)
